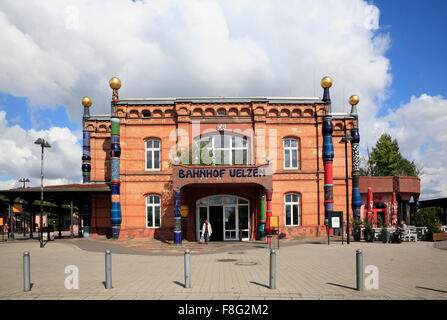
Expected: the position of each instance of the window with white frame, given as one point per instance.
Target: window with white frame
(292, 209)
(291, 153)
(224, 149)
(152, 154)
(153, 211)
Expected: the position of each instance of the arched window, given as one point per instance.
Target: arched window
(153, 211)
(153, 155)
(222, 149)
(292, 209)
(291, 153)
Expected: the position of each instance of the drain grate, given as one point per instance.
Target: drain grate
(226, 260)
(237, 252)
(246, 263)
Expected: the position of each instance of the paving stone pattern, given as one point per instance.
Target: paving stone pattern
(304, 271)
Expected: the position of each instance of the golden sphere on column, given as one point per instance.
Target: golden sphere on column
(326, 82)
(354, 100)
(115, 83)
(86, 102)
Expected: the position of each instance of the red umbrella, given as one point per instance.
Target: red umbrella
(369, 202)
(394, 205)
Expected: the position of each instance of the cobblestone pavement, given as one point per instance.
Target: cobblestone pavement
(304, 271)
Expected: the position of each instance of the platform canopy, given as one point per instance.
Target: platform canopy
(56, 194)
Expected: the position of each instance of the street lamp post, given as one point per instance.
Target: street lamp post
(24, 181)
(44, 144)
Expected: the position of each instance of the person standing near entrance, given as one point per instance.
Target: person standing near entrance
(207, 231)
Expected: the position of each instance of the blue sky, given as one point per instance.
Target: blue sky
(418, 47)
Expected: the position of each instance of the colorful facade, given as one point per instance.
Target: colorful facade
(221, 159)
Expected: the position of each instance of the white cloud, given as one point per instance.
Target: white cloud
(21, 158)
(54, 52)
(419, 127)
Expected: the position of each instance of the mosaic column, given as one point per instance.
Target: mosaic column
(115, 153)
(356, 197)
(86, 213)
(262, 226)
(268, 195)
(177, 218)
(328, 153)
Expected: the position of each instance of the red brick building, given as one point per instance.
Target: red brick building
(222, 155)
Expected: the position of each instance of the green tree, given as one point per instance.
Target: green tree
(386, 160)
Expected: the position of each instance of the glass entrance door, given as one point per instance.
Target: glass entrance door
(230, 229)
(228, 215)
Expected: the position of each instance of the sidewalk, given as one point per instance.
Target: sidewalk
(304, 271)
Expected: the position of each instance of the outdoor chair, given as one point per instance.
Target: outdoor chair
(410, 235)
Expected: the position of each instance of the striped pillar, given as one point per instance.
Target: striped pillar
(268, 195)
(86, 168)
(328, 153)
(115, 153)
(86, 213)
(355, 141)
(177, 218)
(262, 226)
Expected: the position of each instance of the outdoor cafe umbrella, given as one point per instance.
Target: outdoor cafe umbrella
(394, 205)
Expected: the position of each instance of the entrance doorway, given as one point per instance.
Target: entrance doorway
(228, 215)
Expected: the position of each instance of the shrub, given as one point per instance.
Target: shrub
(429, 218)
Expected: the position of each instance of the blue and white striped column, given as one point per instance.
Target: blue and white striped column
(177, 218)
(86, 213)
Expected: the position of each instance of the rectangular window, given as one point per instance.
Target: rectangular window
(291, 155)
(292, 209)
(153, 155)
(153, 211)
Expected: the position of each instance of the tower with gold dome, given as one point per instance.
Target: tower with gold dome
(328, 152)
(355, 140)
(115, 153)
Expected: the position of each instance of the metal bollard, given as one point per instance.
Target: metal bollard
(272, 269)
(108, 270)
(359, 269)
(187, 268)
(26, 272)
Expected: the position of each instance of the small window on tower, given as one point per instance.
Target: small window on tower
(146, 114)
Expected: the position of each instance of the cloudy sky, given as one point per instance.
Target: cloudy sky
(55, 52)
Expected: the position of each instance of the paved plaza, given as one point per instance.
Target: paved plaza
(305, 270)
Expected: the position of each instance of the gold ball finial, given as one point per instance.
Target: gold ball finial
(326, 82)
(354, 100)
(86, 102)
(115, 83)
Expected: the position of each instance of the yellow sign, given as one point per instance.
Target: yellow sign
(184, 211)
(17, 208)
(274, 222)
